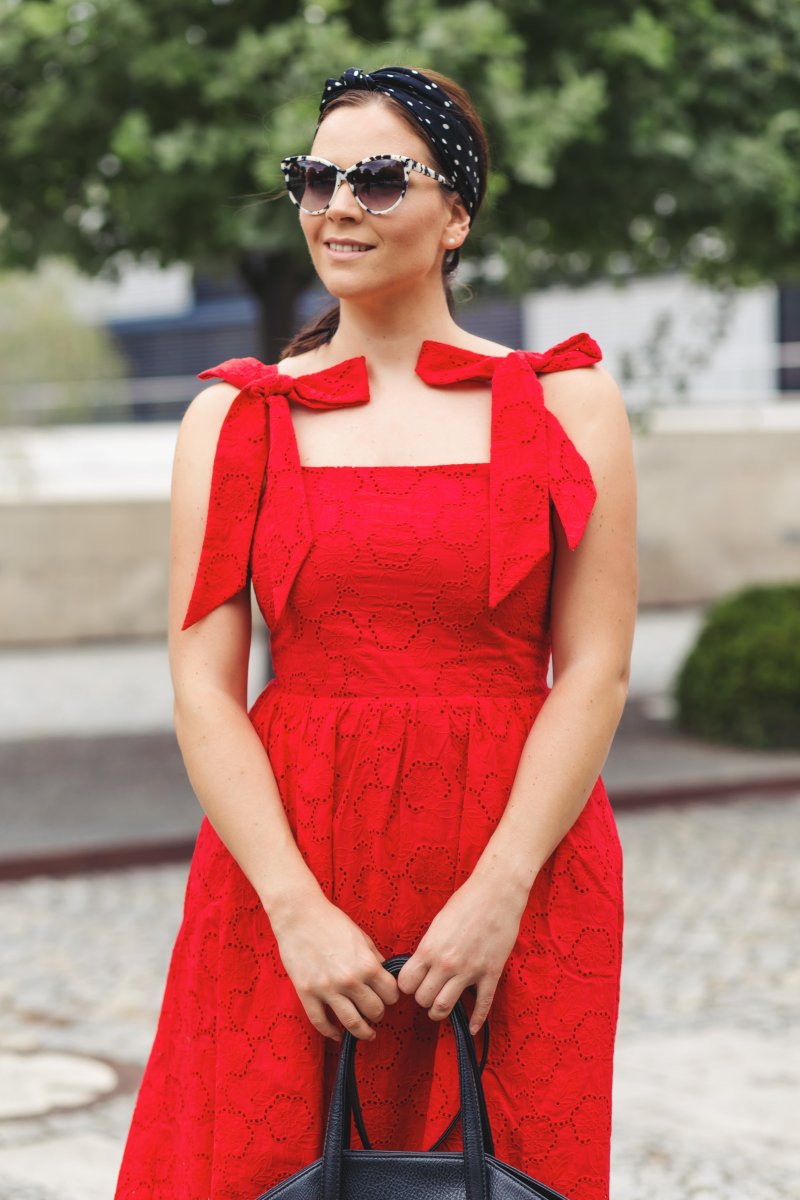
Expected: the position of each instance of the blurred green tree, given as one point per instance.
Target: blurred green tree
(626, 136)
(82, 363)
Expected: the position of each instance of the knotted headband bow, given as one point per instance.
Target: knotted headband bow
(434, 111)
(533, 461)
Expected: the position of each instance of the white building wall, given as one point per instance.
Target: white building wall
(663, 337)
(659, 341)
(141, 291)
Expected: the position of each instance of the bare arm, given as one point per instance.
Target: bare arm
(593, 615)
(329, 959)
(593, 612)
(224, 757)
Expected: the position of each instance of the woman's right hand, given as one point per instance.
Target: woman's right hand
(333, 962)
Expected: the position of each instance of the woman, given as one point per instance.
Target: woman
(423, 519)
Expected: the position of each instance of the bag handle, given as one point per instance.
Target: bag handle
(477, 1137)
(358, 1115)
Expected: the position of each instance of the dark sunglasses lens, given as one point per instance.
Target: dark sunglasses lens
(379, 184)
(311, 183)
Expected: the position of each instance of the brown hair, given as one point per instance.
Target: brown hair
(321, 329)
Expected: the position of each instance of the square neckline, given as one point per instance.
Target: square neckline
(450, 466)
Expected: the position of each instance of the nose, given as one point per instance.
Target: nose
(344, 202)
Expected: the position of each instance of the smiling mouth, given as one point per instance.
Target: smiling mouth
(344, 248)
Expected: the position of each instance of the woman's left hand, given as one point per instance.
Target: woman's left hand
(467, 942)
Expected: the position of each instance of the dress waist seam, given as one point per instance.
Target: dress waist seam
(410, 698)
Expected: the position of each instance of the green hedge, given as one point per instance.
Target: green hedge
(741, 681)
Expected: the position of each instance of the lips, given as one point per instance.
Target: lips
(349, 247)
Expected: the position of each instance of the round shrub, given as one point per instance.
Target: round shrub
(741, 681)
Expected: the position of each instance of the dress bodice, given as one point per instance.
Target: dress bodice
(480, 529)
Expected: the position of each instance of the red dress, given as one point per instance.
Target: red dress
(409, 616)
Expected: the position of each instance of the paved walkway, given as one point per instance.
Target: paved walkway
(707, 1061)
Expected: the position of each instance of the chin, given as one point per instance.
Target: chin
(347, 289)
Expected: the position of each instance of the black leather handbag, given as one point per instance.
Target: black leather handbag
(469, 1174)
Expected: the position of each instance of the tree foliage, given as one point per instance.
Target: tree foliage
(740, 682)
(36, 311)
(625, 137)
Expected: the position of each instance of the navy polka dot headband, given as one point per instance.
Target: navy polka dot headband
(431, 107)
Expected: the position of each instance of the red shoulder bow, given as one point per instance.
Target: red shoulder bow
(532, 459)
(257, 431)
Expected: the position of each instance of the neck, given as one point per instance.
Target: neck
(390, 331)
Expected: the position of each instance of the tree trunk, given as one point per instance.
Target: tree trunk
(276, 280)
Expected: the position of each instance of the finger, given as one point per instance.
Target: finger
(483, 1002)
(368, 1003)
(444, 1002)
(315, 1011)
(387, 988)
(351, 1018)
(436, 979)
(384, 983)
(422, 979)
(411, 974)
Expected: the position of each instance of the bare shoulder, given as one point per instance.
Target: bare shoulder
(589, 406)
(198, 434)
(585, 399)
(211, 402)
(206, 411)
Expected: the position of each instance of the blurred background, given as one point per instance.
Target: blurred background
(644, 187)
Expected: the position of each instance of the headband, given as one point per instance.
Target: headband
(455, 144)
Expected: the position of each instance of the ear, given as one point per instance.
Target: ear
(458, 224)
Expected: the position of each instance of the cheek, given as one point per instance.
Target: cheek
(418, 237)
(306, 227)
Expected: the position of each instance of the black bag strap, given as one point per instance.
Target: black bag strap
(478, 1141)
(358, 1115)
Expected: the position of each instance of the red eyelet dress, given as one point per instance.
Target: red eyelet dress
(408, 609)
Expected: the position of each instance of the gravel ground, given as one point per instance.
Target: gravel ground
(707, 1063)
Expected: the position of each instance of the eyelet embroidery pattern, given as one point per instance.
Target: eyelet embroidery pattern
(399, 708)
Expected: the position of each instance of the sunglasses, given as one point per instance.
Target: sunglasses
(378, 183)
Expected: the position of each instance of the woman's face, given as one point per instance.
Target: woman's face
(407, 244)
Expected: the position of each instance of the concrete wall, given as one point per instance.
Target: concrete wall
(83, 569)
(718, 508)
(717, 511)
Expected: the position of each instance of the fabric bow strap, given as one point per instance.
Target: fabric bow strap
(257, 441)
(532, 458)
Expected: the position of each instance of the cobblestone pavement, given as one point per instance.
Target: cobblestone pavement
(708, 1054)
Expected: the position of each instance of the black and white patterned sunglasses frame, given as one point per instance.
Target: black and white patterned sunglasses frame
(409, 165)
